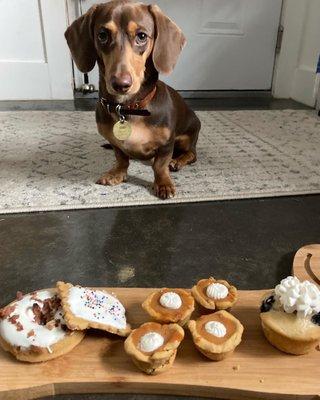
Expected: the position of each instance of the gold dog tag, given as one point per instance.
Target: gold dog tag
(122, 130)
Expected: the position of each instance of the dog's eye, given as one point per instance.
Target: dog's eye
(141, 38)
(103, 36)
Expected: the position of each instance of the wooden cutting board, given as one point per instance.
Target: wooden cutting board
(99, 365)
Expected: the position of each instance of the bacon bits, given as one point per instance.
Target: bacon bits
(6, 311)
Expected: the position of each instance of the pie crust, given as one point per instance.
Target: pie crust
(167, 315)
(163, 357)
(213, 347)
(199, 293)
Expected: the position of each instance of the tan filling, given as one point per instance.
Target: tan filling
(229, 325)
(168, 334)
(179, 313)
(202, 286)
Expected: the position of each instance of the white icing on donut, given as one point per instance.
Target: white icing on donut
(295, 296)
(150, 342)
(42, 336)
(171, 300)
(217, 291)
(215, 328)
(97, 306)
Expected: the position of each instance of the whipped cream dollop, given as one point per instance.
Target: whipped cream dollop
(215, 328)
(217, 291)
(171, 300)
(151, 341)
(295, 296)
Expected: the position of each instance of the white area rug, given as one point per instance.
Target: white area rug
(50, 160)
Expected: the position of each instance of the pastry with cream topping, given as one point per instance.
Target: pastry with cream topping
(290, 316)
(170, 305)
(92, 308)
(214, 294)
(216, 335)
(153, 347)
(33, 328)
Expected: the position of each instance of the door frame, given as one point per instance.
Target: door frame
(292, 79)
(73, 11)
(60, 65)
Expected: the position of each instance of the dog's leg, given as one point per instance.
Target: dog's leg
(184, 159)
(163, 186)
(118, 173)
(185, 146)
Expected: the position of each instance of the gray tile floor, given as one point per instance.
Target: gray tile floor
(250, 242)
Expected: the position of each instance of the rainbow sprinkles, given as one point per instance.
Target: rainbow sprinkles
(91, 308)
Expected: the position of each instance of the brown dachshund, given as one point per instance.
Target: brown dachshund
(139, 115)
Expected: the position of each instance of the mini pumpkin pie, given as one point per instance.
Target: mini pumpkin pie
(153, 347)
(92, 308)
(290, 316)
(33, 329)
(170, 305)
(214, 294)
(216, 335)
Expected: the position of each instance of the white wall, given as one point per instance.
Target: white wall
(295, 75)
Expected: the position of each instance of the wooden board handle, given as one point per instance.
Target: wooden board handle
(306, 263)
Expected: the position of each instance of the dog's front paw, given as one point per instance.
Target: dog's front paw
(164, 190)
(112, 178)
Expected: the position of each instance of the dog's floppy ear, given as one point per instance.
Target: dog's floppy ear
(80, 40)
(169, 41)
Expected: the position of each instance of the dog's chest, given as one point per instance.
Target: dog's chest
(144, 140)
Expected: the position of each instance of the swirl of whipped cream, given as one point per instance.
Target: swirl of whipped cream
(171, 300)
(151, 341)
(217, 291)
(296, 296)
(215, 328)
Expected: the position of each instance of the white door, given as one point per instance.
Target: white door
(34, 59)
(230, 43)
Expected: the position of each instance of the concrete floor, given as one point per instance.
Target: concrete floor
(249, 242)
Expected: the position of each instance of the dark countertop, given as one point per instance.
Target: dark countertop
(248, 242)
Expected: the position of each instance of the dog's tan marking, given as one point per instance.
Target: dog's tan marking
(111, 26)
(132, 28)
(143, 141)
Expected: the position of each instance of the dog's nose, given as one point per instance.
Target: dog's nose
(121, 83)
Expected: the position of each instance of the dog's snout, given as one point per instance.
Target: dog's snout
(121, 83)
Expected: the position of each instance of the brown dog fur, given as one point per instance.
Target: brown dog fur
(129, 39)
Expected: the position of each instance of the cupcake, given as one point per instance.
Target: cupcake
(153, 347)
(290, 316)
(214, 294)
(170, 305)
(216, 335)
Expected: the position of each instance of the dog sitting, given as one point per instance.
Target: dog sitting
(140, 116)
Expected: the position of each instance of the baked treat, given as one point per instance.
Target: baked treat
(153, 347)
(215, 294)
(290, 316)
(92, 308)
(216, 335)
(33, 329)
(170, 305)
